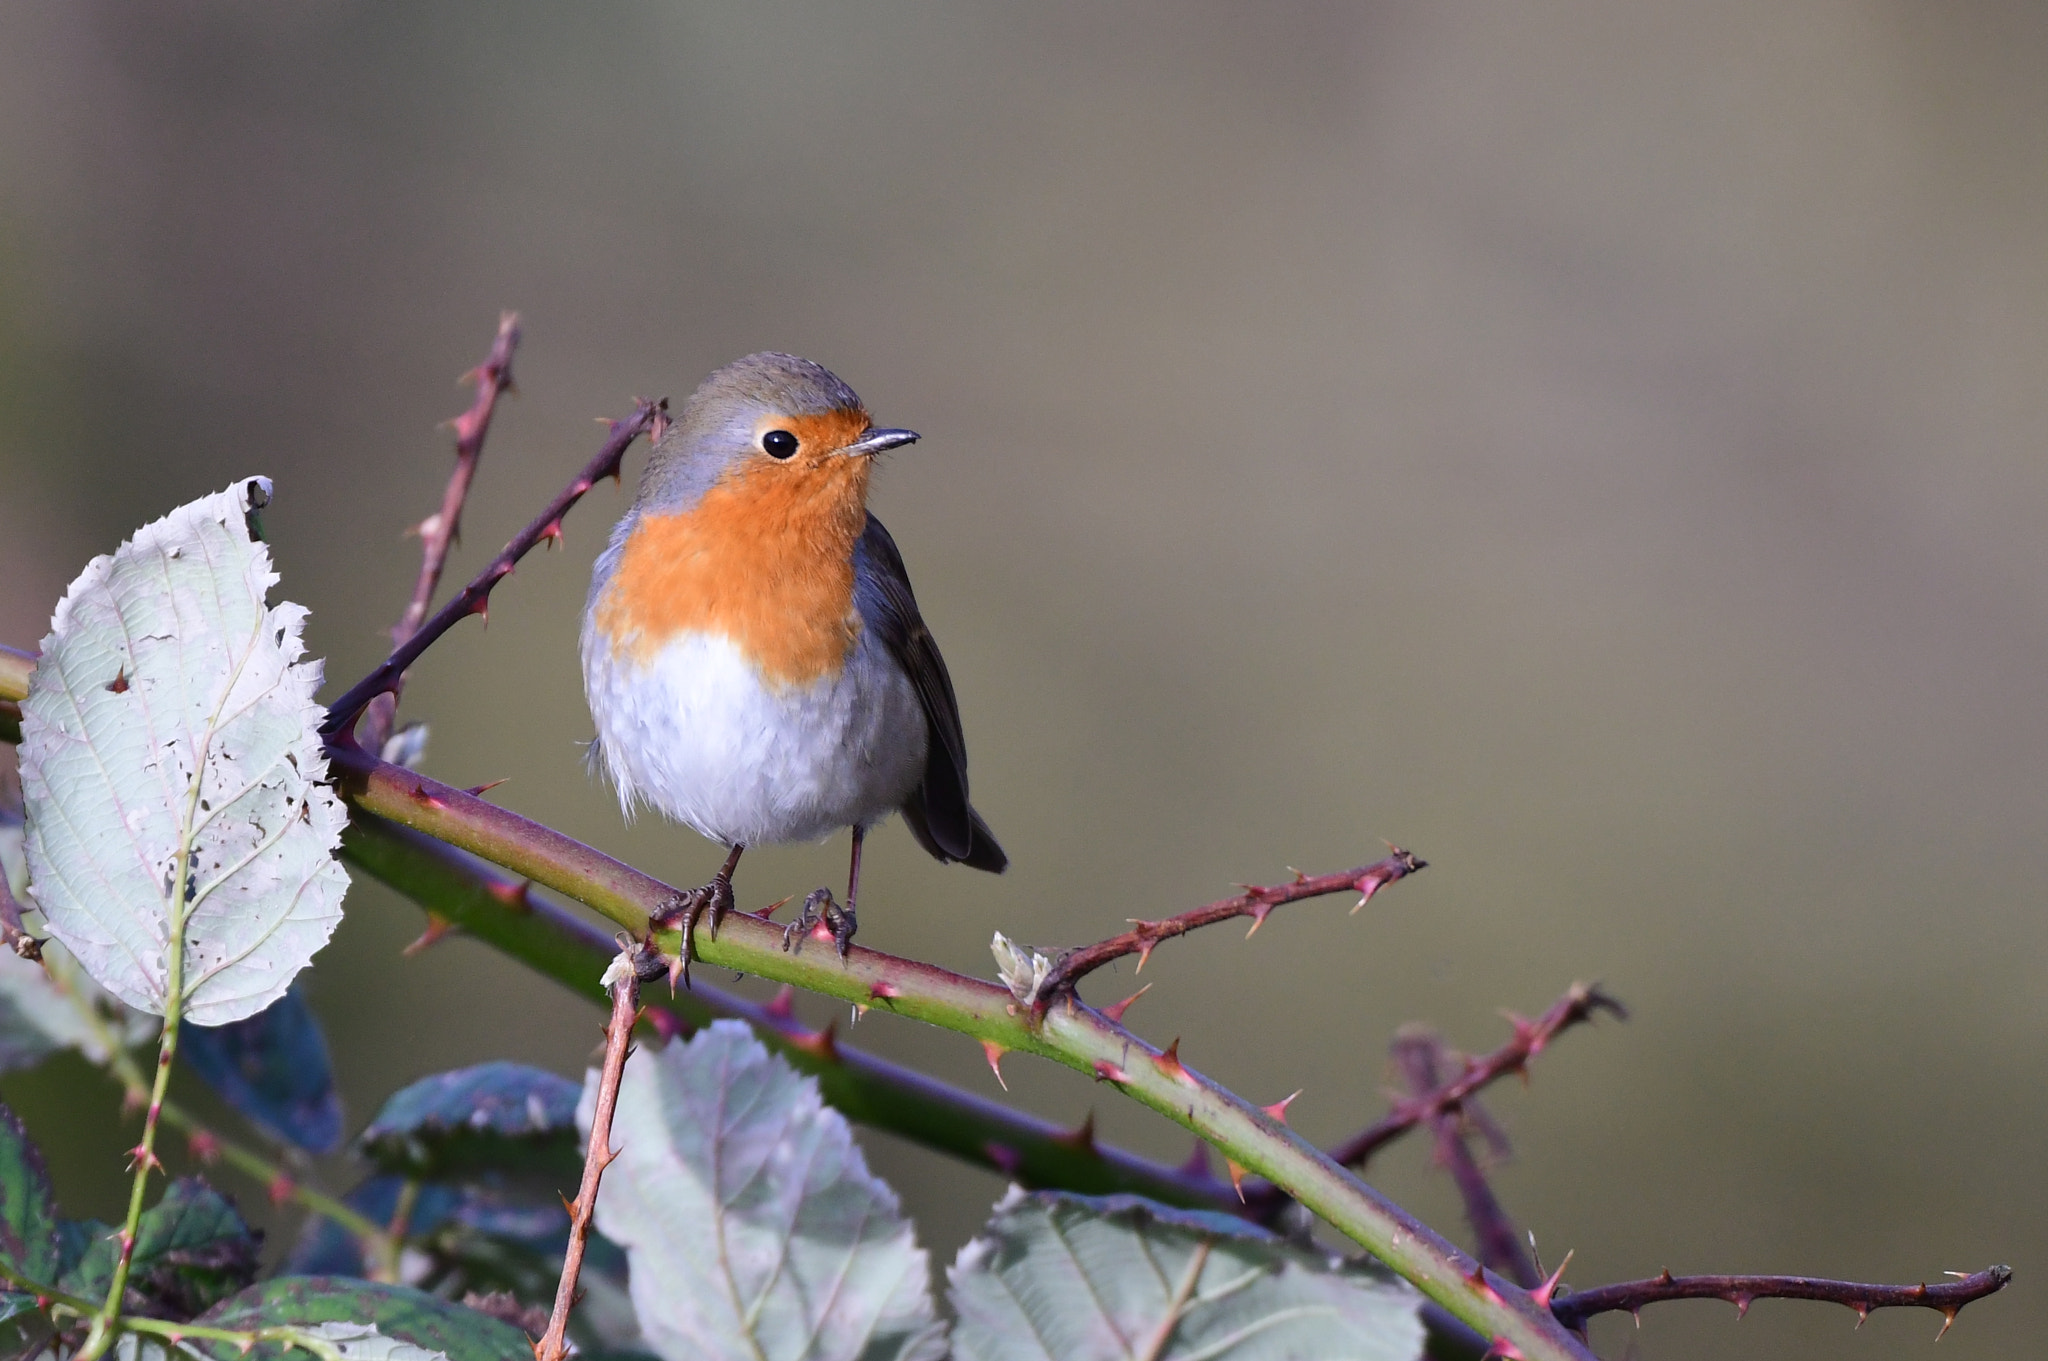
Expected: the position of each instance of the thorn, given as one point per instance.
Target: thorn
(1236, 1170)
(1664, 1276)
(1477, 1280)
(1105, 1071)
(513, 896)
(883, 991)
(1168, 1061)
(782, 1006)
(439, 928)
(139, 1156)
(1543, 1292)
(1741, 1300)
(1144, 953)
(477, 791)
(204, 1145)
(1948, 1321)
(1363, 899)
(119, 684)
(822, 1045)
(679, 968)
(421, 794)
(1082, 1137)
(995, 1054)
(1862, 1313)
(1278, 1110)
(1259, 915)
(552, 534)
(280, 1189)
(1116, 1013)
(1300, 876)
(1006, 1159)
(768, 912)
(1197, 1163)
(425, 529)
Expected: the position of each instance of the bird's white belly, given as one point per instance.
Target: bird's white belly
(694, 733)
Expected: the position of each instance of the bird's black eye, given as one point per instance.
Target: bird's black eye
(779, 443)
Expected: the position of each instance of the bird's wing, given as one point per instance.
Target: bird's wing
(939, 813)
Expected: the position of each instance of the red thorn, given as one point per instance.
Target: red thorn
(1259, 915)
(1105, 1071)
(1664, 1276)
(1168, 1062)
(139, 1156)
(281, 1188)
(1082, 1137)
(1236, 1170)
(782, 1005)
(768, 912)
(1116, 1013)
(1278, 1110)
(820, 1044)
(1948, 1321)
(477, 791)
(439, 928)
(421, 794)
(883, 991)
(552, 534)
(1741, 1300)
(513, 896)
(1006, 1159)
(119, 684)
(1144, 953)
(1197, 1164)
(1477, 1280)
(204, 1145)
(995, 1054)
(1542, 1293)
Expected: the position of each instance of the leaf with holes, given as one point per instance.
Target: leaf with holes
(273, 1068)
(1075, 1278)
(499, 1116)
(433, 1326)
(172, 770)
(752, 1226)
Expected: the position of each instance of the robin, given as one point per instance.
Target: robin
(753, 655)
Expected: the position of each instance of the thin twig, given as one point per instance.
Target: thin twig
(618, 1041)
(1946, 1299)
(475, 597)
(440, 531)
(1254, 902)
(1582, 1002)
(1421, 1057)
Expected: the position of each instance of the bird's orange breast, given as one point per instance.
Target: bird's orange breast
(764, 558)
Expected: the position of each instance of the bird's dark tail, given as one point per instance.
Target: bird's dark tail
(982, 852)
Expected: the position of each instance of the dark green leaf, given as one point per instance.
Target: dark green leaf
(273, 1068)
(191, 1251)
(28, 1207)
(495, 1116)
(396, 1311)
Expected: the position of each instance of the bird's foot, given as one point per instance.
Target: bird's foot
(686, 909)
(819, 907)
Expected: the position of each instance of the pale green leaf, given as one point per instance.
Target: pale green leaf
(1075, 1278)
(170, 721)
(752, 1227)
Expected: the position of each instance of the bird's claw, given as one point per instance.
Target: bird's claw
(821, 906)
(686, 909)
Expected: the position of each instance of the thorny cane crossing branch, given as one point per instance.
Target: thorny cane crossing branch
(1581, 1003)
(1255, 902)
(1249, 1137)
(439, 531)
(623, 978)
(474, 598)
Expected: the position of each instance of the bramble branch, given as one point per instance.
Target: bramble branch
(439, 531)
(475, 597)
(1581, 1003)
(1247, 1135)
(1254, 902)
(1946, 1299)
(1421, 1056)
(618, 1041)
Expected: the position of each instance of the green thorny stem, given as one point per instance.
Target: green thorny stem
(171, 1331)
(1252, 1139)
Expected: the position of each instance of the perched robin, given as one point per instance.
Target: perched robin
(752, 653)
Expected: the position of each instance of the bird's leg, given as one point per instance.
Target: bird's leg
(820, 907)
(687, 908)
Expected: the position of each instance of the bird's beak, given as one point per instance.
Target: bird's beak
(874, 441)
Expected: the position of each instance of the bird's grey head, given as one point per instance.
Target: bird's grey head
(763, 411)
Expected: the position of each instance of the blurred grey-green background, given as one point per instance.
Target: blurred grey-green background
(1600, 447)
